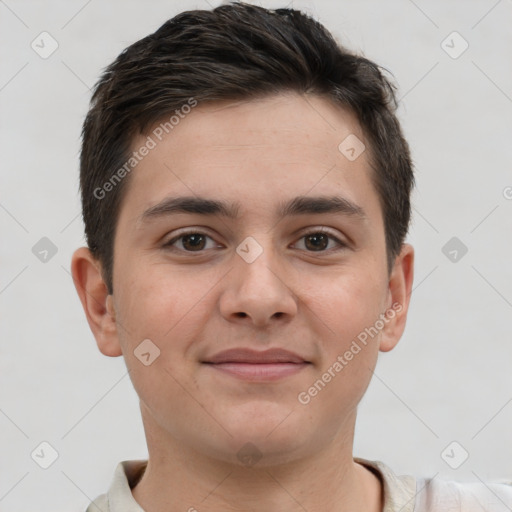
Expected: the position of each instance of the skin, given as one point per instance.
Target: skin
(193, 304)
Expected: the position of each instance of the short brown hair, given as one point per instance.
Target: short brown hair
(234, 52)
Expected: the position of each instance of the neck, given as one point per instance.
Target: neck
(178, 478)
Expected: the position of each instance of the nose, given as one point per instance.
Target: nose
(258, 292)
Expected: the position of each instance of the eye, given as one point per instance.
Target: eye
(197, 241)
(318, 241)
(191, 241)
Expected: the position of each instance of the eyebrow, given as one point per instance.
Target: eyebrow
(301, 205)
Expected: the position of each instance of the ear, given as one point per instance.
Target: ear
(96, 301)
(400, 287)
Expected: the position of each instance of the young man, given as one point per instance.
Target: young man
(246, 196)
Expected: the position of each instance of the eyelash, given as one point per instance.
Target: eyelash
(170, 243)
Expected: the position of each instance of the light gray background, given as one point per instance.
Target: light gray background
(449, 379)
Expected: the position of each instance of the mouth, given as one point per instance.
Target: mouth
(269, 365)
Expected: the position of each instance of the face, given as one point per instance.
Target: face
(293, 259)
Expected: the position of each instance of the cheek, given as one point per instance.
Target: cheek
(349, 351)
(345, 315)
(168, 308)
(157, 322)
(149, 297)
(346, 304)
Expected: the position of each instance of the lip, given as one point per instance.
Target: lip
(245, 355)
(268, 365)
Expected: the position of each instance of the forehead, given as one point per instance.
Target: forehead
(287, 144)
(269, 126)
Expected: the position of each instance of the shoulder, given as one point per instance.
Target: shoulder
(99, 504)
(406, 493)
(435, 494)
(119, 497)
(398, 491)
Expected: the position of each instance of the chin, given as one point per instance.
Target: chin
(261, 452)
(261, 419)
(267, 440)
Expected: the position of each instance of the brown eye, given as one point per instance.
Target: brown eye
(192, 241)
(318, 241)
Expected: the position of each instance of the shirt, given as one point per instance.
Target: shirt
(403, 493)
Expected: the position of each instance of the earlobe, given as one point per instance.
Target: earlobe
(96, 301)
(400, 288)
